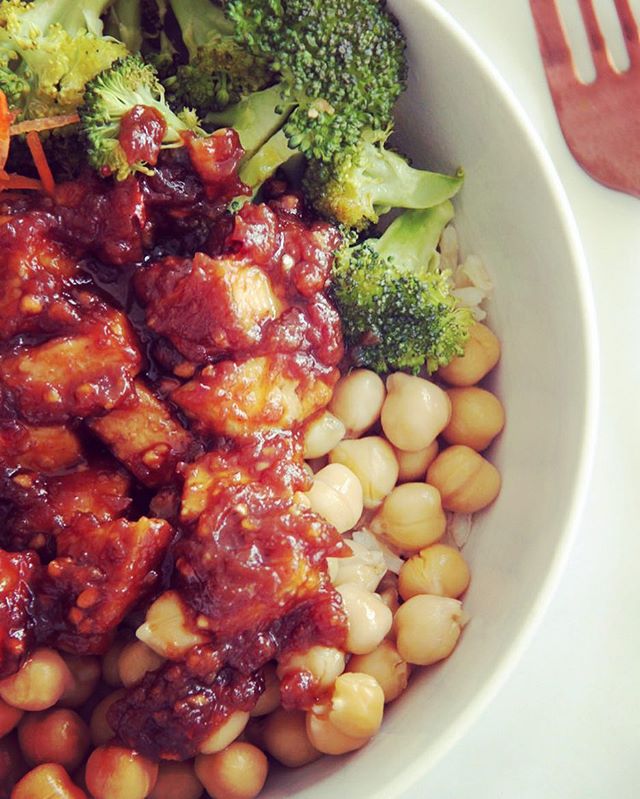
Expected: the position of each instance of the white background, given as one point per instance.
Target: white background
(566, 724)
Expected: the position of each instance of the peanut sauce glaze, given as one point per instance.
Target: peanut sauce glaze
(159, 358)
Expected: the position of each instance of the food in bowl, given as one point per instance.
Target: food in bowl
(224, 532)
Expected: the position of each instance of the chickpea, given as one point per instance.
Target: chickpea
(357, 705)
(110, 673)
(85, 674)
(414, 465)
(428, 628)
(329, 740)
(55, 736)
(414, 413)
(324, 663)
(223, 735)
(386, 666)
(136, 659)
(284, 736)
(9, 718)
(467, 482)
(239, 772)
(363, 568)
(368, 618)
(336, 495)
(481, 354)
(101, 731)
(270, 698)
(322, 434)
(40, 682)
(477, 416)
(47, 781)
(373, 462)
(438, 569)
(114, 772)
(357, 401)
(176, 781)
(411, 517)
(167, 628)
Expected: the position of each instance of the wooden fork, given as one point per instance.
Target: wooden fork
(601, 120)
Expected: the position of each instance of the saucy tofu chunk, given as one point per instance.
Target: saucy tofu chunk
(33, 271)
(18, 574)
(42, 449)
(97, 577)
(41, 506)
(145, 437)
(175, 708)
(253, 552)
(87, 372)
(238, 398)
(208, 307)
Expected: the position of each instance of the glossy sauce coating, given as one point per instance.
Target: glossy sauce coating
(142, 130)
(132, 462)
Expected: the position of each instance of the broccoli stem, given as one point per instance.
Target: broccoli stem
(255, 118)
(260, 167)
(394, 183)
(198, 21)
(411, 240)
(124, 23)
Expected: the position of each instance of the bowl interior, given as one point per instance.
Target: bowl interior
(513, 214)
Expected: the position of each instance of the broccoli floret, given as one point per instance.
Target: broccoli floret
(109, 97)
(367, 180)
(220, 71)
(340, 66)
(397, 307)
(49, 49)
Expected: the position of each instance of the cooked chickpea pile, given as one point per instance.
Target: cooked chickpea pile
(391, 459)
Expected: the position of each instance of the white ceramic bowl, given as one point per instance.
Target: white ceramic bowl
(512, 212)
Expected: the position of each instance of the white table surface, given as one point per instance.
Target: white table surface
(566, 724)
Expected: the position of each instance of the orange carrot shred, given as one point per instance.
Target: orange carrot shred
(5, 124)
(40, 160)
(18, 182)
(46, 123)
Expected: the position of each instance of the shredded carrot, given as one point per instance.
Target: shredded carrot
(40, 160)
(46, 123)
(5, 125)
(18, 182)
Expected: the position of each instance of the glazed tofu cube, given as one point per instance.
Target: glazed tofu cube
(33, 269)
(145, 437)
(40, 507)
(42, 449)
(77, 375)
(97, 577)
(208, 306)
(241, 398)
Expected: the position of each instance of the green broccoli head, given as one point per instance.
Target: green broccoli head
(397, 308)
(111, 95)
(341, 62)
(216, 76)
(367, 180)
(49, 49)
(219, 70)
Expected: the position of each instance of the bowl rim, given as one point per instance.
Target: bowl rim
(506, 663)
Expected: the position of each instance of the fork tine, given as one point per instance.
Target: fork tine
(629, 30)
(596, 39)
(556, 55)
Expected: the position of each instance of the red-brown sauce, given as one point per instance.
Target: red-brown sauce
(104, 285)
(142, 130)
